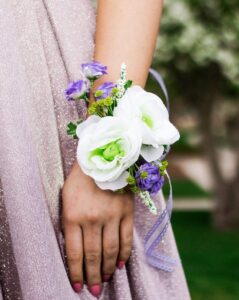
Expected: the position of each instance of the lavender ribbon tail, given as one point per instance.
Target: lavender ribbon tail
(157, 76)
(157, 232)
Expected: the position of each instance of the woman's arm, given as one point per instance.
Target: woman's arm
(98, 224)
(126, 32)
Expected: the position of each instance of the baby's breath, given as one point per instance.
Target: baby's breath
(147, 200)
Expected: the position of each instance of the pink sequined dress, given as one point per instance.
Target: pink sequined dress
(42, 44)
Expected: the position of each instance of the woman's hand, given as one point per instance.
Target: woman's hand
(98, 229)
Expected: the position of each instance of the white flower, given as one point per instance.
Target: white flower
(107, 147)
(151, 114)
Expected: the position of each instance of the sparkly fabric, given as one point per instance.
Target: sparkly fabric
(43, 44)
(10, 285)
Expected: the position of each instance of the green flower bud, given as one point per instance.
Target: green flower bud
(131, 180)
(134, 189)
(115, 91)
(98, 93)
(108, 101)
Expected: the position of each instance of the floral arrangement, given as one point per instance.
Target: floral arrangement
(124, 139)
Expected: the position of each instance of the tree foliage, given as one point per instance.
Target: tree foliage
(197, 34)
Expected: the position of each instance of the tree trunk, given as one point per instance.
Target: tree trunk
(226, 213)
(203, 87)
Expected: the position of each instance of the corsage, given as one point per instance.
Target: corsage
(123, 143)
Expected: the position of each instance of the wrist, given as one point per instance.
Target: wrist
(77, 173)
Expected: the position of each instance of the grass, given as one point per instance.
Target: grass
(186, 189)
(210, 258)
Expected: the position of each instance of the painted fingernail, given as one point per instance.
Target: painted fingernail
(106, 277)
(120, 264)
(95, 290)
(77, 287)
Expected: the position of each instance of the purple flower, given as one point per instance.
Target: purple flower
(77, 90)
(104, 90)
(93, 70)
(148, 178)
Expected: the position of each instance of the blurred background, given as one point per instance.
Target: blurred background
(198, 56)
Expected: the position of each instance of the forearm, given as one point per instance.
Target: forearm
(126, 31)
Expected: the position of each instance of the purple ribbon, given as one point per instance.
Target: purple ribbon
(158, 230)
(162, 85)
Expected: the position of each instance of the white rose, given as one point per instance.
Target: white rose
(107, 147)
(152, 115)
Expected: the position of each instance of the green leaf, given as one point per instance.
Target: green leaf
(128, 84)
(71, 129)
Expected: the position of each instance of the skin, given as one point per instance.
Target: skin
(98, 225)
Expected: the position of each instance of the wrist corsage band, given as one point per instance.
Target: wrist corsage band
(123, 143)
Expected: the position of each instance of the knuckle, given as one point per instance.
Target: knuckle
(92, 218)
(129, 208)
(92, 258)
(110, 216)
(111, 251)
(69, 216)
(128, 239)
(113, 214)
(74, 256)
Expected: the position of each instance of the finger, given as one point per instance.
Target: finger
(74, 253)
(92, 235)
(110, 249)
(126, 239)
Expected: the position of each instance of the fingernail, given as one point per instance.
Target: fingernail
(120, 264)
(77, 287)
(95, 290)
(106, 277)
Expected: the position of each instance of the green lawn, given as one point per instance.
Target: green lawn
(210, 258)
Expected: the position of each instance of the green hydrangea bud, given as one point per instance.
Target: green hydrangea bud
(131, 180)
(98, 93)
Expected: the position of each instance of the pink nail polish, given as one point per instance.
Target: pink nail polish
(120, 264)
(106, 277)
(95, 290)
(77, 287)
